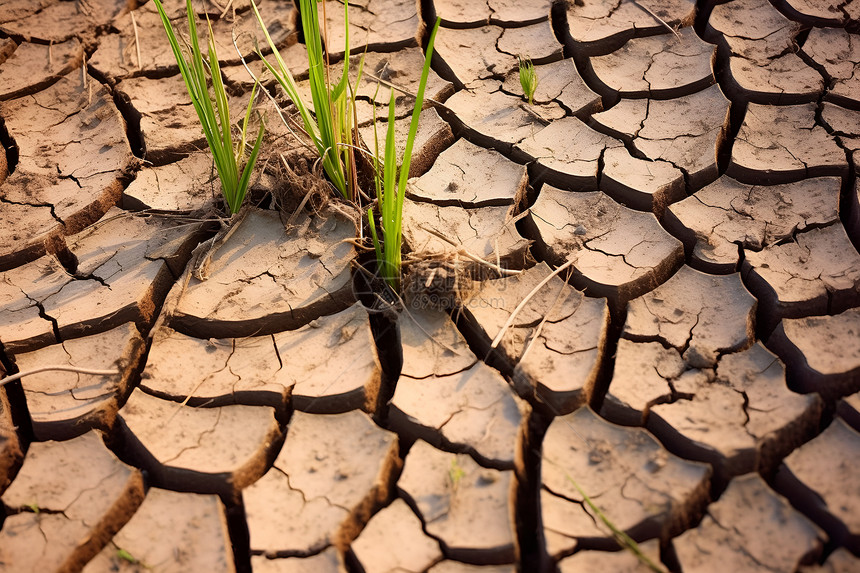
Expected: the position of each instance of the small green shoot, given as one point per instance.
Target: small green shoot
(455, 472)
(528, 78)
(390, 194)
(34, 507)
(124, 555)
(620, 536)
(213, 110)
(332, 130)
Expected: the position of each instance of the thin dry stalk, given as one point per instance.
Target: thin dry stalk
(658, 18)
(136, 41)
(524, 302)
(471, 256)
(61, 368)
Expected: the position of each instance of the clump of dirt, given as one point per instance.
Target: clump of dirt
(436, 284)
(300, 182)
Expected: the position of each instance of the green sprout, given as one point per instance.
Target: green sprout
(333, 131)
(389, 193)
(455, 472)
(213, 110)
(528, 78)
(125, 555)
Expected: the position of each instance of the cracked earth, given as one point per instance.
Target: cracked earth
(692, 373)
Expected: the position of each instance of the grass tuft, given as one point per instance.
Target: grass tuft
(331, 126)
(528, 78)
(213, 110)
(389, 193)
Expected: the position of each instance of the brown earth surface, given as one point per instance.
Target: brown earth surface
(228, 399)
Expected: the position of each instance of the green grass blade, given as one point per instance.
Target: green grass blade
(620, 536)
(240, 148)
(286, 80)
(214, 119)
(416, 112)
(397, 220)
(376, 246)
(322, 97)
(391, 241)
(226, 155)
(242, 189)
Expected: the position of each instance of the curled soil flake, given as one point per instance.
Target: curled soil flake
(642, 488)
(498, 120)
(663, 66)
(73, 156)
(468, 13)
(57, 20)
(66, 404)
(560, 82)
(816, 273)
(701, 315)
(207, 450)
(640, 184)
(777, 144)
(471, 176)
(643, 376)
(821, 480)
(750, 528)
(471, 55)
(763, 64)
(568, 153)
(838, 52)
(394, 542)
(172, 532)
(189, 184)
(217, 371)
(686, 131)
(467, 507)
(823, 12)
(554, 346)
(374, 25)
(823, 352)
(124, 266)
(616, 252)
(118, 51)
(272, 370)
(33, 67)
(349, 377)
(332, 472)
(602, 26)
(727, 214)
(169, 125)
(448, 398)
(266, 279)
(487, 232)
(70, 498)
(743, 419)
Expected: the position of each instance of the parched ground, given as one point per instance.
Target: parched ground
(694, 369)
